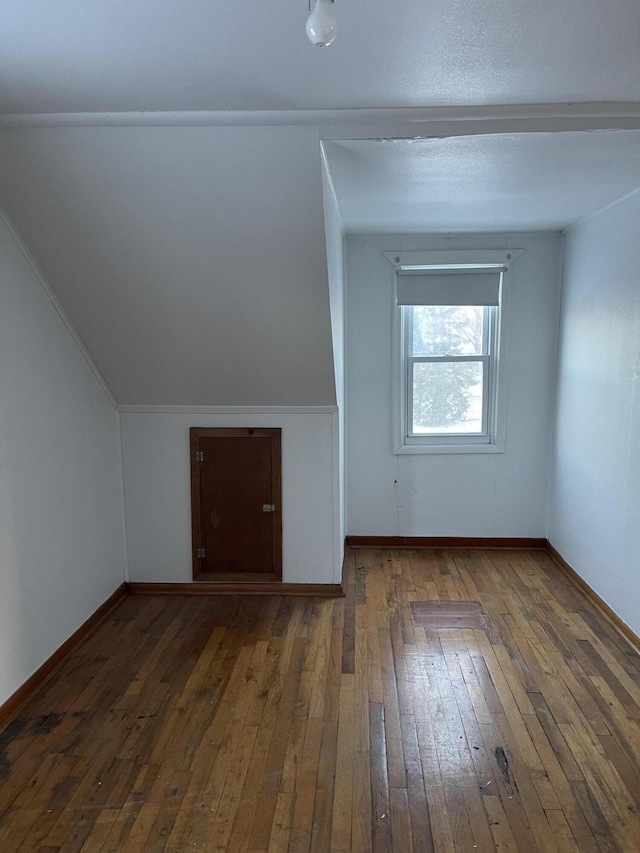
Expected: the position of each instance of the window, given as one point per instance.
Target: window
(450, 351)
(448, 370)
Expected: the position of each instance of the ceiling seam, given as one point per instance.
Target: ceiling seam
(612, 110)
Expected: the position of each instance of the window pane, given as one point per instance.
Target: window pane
(447, 329)
(447, 397)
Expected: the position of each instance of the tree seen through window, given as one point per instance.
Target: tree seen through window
(447, 392)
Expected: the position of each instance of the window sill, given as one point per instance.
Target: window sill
(422, 449)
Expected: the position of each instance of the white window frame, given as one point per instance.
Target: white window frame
(492, 439)
(486, 359)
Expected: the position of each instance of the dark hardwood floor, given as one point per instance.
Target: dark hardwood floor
(360, 723)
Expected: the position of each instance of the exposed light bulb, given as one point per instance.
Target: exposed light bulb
(322, 26)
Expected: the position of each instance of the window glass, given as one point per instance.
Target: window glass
(447, 330)
(447, 397)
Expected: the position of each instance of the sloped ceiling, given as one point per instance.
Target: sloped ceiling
(191, 259)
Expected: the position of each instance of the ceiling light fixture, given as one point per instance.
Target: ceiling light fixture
(322, 26)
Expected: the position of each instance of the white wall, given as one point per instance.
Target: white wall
(500, 495)
(594, 508)
(335, 268)
(155, 447)
(61, 524)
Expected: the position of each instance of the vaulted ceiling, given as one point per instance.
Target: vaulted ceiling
(172, 193)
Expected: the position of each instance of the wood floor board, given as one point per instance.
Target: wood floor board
(325, 789)
(380, 798)
(275, 723)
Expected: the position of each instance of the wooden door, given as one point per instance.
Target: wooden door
(235, 504)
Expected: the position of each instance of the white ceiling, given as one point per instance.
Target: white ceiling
(191, 260)
(512, 182)
(118, 55)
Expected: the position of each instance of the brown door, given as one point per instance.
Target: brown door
(235, 504)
